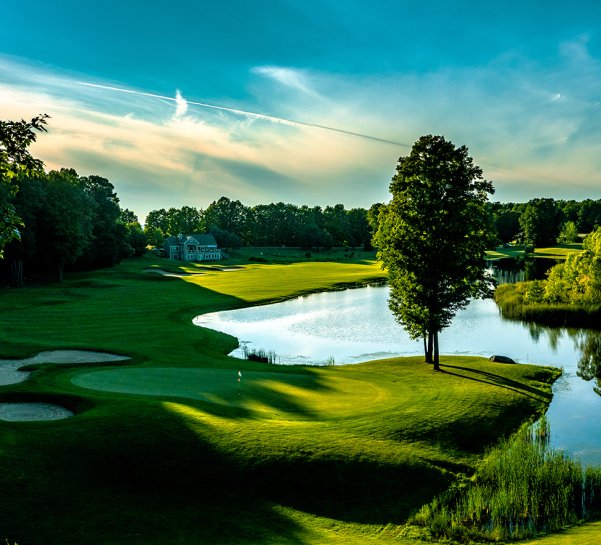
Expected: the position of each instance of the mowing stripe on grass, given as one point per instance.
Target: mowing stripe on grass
(322, 393)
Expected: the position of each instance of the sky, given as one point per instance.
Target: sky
(305, 101)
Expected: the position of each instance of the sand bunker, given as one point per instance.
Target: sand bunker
(10, 370)
(32, 412)
(10, 374)
(167, 273)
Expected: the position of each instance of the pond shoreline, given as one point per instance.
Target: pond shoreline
(510, 302)
(479, 330)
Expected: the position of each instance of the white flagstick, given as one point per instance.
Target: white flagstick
(239, 381)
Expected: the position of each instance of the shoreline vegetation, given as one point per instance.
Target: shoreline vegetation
(521, 489)
(169, 447)
(569, 296)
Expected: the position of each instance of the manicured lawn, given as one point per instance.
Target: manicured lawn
(170, 448)
(587, 534)
(560, 251)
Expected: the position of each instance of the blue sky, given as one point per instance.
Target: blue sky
(519, 83)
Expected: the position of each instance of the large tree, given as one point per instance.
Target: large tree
(109, 234)
(506, 221)
(230, 216)
(64, 228)
(432, 237)
(15, 161)
(541, 221)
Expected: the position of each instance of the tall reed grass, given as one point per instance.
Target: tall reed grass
(260, 355)
(523, 488)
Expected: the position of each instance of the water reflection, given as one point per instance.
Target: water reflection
(587, 345)
(355, 325)
(589, 364)
(510, 270)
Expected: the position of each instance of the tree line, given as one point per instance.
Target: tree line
(545, 221)
(277, 224)
(69, 220)
(539, 222)
(576, 281)
(57, 219)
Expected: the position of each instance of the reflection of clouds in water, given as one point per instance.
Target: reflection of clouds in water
(348, 324)
(355, 325)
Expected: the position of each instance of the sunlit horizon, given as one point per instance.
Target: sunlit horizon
(307, 106)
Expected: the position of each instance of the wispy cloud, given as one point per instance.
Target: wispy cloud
(158, 159)
(181, 104)
(293, 78)
(535, 128)
(182, 107)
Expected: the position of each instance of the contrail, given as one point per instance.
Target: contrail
(245, 113)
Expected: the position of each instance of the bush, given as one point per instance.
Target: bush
(260, 355)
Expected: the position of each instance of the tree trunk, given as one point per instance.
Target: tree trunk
(430, 348)
(59, 270)
(16, 272)
(436, 355)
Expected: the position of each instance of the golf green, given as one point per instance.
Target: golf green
(320, 393)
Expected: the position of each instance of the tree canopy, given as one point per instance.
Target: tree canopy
(432, 238)
(541, 222)
(69, 220)
(15, 161)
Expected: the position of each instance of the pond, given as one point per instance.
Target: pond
(352, 326)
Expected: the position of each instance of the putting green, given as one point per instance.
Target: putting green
(315, 394)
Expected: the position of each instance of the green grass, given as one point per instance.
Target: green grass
(167, 448)
(560, 251)
(587, 534)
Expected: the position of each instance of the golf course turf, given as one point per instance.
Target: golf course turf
(169, 447)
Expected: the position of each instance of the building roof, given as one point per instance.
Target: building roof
(198, 238)
(203, 239)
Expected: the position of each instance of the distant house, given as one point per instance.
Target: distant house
(195, 247)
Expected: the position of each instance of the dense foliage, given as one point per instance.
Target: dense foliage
(432, 238)
(545, 221)
(49, 220)
(15, 160)
(578, 280)
(277, 224)
(68, 220)
(575, 283)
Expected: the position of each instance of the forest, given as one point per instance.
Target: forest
(76, 222)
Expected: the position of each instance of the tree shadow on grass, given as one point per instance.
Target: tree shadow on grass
(221, 392)
(132, 480)
(140, 476)
(498, 380)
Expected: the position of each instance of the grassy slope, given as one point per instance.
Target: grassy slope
(299, 456)
(561, 251)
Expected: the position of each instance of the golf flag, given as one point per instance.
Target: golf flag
(239, 376)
